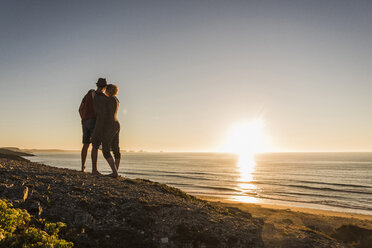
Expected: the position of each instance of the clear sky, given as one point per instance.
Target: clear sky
(188, 70)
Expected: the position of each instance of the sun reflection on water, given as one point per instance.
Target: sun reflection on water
(246, 167)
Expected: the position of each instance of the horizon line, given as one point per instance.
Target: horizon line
(191, 151)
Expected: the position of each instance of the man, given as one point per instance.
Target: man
(88, 120)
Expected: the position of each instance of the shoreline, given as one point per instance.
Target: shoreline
(283, 224)
(247, 206)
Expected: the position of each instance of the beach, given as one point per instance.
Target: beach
(282, 223)
(253, 207)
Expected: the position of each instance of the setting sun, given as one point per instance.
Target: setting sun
(246, 138)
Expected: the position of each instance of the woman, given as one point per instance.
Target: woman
(108, 127)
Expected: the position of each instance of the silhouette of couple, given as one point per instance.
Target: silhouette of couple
(98, 111)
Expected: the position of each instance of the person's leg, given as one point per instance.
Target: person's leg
(111, 162)
(117, 163)
(84, 152)
(86, 142)
(109, 159)
(116, 150)
(94, 156)
(95, 145)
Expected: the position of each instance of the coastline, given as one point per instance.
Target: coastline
(302, 191)
(256, 206)
(147, 213)
(285, 205)
(282, 223)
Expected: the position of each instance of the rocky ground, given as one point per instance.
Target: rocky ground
(107, 212)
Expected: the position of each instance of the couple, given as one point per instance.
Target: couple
(98, 111)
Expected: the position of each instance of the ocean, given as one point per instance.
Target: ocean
(330, 181)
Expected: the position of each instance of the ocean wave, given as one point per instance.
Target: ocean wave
(329, 189)
(171, 172)
(342, 190)
(167, 176)
(311, 195)
(330, 203)
(365, 190)
(320, 162)
(335, 184)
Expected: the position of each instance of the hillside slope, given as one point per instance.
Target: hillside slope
(107, 212)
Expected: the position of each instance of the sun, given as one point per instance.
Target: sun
(246, 138)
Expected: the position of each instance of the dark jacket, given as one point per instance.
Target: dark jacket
(86, 109)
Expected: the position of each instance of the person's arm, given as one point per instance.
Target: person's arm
(82, 106)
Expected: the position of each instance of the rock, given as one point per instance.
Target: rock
(14, 191)
(164, 240)
(8, 186)
(35, 208)
(83, 218)
(351, 234)
(25, 194)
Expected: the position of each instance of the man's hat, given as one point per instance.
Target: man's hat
(101, 82)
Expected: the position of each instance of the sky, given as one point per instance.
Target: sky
(188, 71)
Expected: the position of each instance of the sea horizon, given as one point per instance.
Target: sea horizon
(186, 151)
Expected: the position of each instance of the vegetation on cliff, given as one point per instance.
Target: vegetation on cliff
(19, 229)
